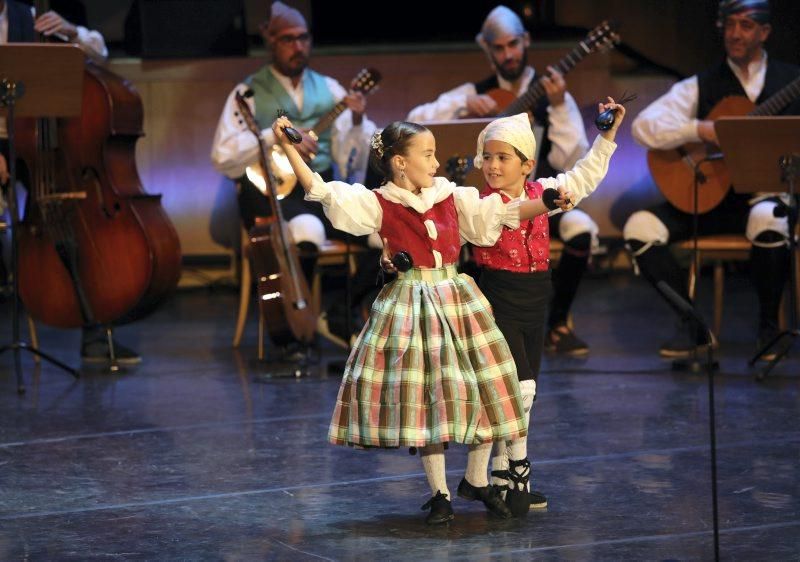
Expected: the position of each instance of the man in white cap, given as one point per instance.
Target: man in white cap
(287, 83)
(681, 116)
(505, 41)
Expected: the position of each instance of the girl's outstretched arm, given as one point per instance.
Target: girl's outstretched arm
(305, 175)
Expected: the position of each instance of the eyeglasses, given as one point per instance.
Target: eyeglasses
(286, 40)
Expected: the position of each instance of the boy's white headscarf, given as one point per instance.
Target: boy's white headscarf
(515, 130)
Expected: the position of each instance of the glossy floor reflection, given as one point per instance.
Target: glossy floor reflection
(197, 455)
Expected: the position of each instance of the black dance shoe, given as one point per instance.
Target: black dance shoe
(441, 509)
(488, 495)
(517, 496)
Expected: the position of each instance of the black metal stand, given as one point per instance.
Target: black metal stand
(790, 168)
(688, 312)
(8, 94)
(693, 363)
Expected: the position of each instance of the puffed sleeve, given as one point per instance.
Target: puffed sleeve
(587, 174)
(481, 220)
(350, 207)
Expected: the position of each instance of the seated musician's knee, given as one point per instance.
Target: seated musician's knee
(767, 225)
(307, 228)
(642, 229)
(578, 231)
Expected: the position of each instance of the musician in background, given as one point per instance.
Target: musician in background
(287, 83)
(505, 41)
(18, 24)
(677, 118)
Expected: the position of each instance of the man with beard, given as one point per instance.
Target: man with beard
(505, 41)
(341, 152)
(679, 117)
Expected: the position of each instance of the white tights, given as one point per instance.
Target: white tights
(518, 449)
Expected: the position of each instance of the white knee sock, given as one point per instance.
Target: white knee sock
(500, 462)
(477, 464)
(433, 463)
(518, 450)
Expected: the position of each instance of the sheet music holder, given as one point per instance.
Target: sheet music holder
(753, 147)
(763, 155)
(36, 80)
(51, 76)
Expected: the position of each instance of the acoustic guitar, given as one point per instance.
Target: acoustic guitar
(283, 293)
(366, 82)
(601, 38)
(673, 170)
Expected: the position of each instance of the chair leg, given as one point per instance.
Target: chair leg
(693, 278)
(34, 338)
(261, 329)
(719, 290)
(316, 291)
(244, 301)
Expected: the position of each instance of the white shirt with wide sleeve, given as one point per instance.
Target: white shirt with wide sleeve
(355, 209)
(235, 147)
(566, 132)
(671, 120)
(587, 173)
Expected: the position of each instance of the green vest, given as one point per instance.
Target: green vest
(270, 96)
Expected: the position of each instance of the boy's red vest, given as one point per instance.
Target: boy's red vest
(524, 249)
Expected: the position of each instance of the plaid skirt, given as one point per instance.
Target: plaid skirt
(430, 366)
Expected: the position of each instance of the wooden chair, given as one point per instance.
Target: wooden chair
(718, 249)
(333, 253)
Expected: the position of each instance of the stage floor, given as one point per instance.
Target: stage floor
(197, 455)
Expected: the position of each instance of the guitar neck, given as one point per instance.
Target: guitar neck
(530, 98)
(779, 100)
(327, 120)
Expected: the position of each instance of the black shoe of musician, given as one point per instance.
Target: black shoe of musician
(684, 342)
(563, 341)
(766, 335)
(96, 351)
(441, 509)
(489, 495)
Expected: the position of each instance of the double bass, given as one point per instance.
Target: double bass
(283, 294)
(95, 248)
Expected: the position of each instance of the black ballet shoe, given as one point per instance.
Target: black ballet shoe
(488, 495)
(441, 509)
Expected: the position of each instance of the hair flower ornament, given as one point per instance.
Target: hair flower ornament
(376, 142)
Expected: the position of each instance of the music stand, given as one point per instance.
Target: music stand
(770, 164)
(35, 81)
